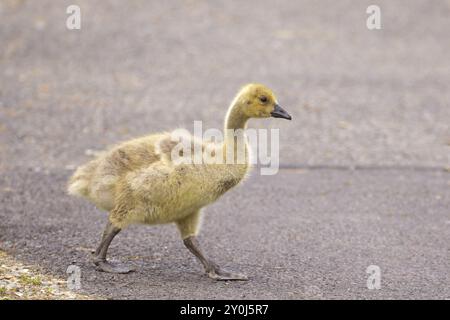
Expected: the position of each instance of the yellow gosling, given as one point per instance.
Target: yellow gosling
(138, 181)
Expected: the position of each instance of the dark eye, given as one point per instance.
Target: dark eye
(263, 99)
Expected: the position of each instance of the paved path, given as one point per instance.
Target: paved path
(300, 234)
(377, 101)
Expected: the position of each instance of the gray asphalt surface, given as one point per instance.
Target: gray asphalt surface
(304, 234)
(377, 101)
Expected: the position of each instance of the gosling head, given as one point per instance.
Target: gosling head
(258, 101)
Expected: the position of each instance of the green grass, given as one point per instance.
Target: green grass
(27, 280)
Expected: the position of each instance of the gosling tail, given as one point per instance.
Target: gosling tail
(79, 182)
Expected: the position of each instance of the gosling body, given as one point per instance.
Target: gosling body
(137, 182)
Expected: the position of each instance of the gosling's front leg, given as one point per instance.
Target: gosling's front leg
(189, 227)
(212, 269)
(100, 254)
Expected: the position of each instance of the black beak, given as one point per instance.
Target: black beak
(279, 112)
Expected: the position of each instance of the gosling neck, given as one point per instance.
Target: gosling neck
(236, 121)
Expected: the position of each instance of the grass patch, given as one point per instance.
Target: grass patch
(27, 280)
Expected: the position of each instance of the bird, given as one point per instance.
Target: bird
(140, 181)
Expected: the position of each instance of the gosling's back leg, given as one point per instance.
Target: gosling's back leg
(100, 254)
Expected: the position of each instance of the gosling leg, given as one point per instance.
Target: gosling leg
(100, 254)
(212, 270)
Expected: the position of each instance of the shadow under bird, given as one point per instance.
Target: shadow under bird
(137, 181)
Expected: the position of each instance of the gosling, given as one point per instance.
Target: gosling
(138, 181)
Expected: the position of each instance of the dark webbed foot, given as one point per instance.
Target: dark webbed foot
(222, 275)
(106, 266)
